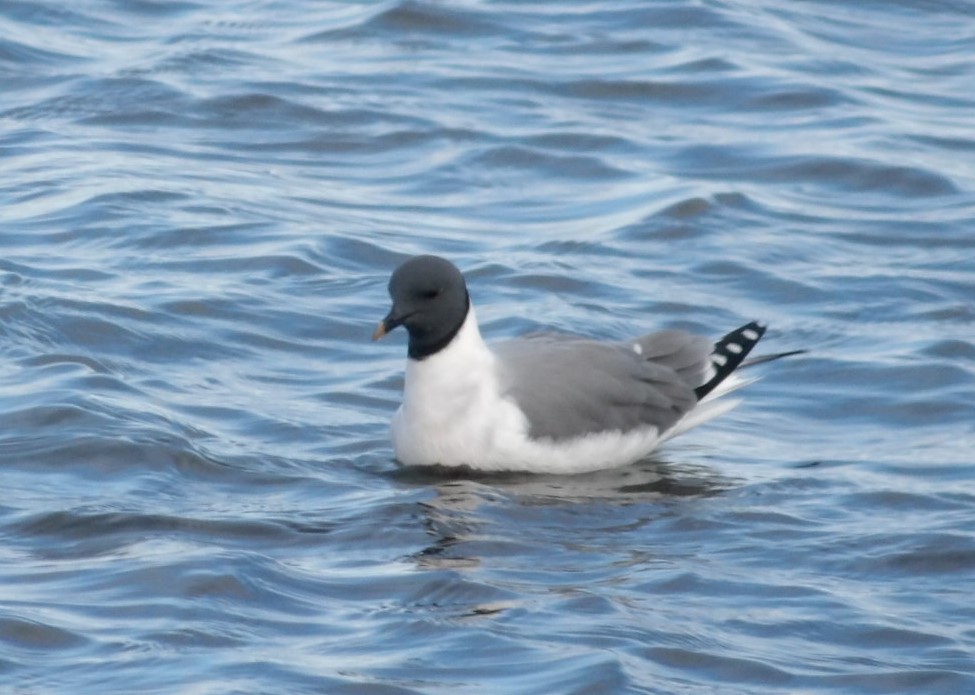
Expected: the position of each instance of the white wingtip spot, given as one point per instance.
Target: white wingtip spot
(719, 359)
(750, 334)
(637, 348)
(733, 347)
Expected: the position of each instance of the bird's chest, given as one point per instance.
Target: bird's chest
(449, 416)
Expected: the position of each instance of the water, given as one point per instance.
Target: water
(201, 203)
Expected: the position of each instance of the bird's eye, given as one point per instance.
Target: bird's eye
(430, 294)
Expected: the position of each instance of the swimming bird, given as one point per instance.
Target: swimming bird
(545, 403)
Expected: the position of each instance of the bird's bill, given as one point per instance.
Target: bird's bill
(391, 321)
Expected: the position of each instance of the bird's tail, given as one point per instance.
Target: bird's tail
(769, 358)
(710, 406)
(728, 356)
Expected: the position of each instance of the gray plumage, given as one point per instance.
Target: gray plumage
(569, 386)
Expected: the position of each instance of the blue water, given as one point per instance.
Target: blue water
(200, 206)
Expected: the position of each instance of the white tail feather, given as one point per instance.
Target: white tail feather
(710, 407)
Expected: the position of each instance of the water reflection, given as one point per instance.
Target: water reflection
(472, 515)
(648, 480)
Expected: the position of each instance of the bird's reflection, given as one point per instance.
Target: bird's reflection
(466, 502)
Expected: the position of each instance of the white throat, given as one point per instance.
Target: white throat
(466, 351)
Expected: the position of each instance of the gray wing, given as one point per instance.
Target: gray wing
(569, 386)
(687, 354)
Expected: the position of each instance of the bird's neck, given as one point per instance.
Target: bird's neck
(460, 366)
(426, 343)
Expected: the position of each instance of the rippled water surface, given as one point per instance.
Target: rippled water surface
(199, 208)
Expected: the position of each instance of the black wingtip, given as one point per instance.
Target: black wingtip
(729, 353)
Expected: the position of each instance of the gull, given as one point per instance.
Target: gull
(546, 402)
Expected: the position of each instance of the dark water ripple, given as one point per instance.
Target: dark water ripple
(201, 204)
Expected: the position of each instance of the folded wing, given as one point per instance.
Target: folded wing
(569, 387)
